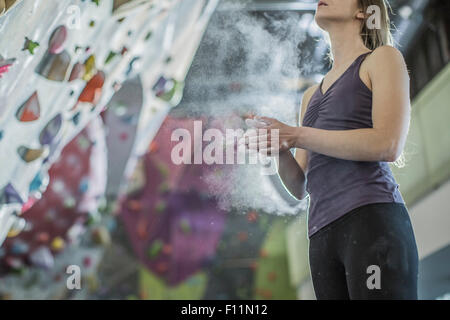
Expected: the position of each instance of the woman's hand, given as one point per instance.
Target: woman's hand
(272, 136)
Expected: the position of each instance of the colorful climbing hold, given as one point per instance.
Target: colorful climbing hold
(9, 195)
(110, 57)
(162, 267)
(164, 187)
(77, 72)
(90, 68)
(169, 90)
(148, 35)
(39, 183)
(153, 146)
(19, 247)
(272, 276)
(42, 258)
(155, 248)
(83, 143)
(265, 293)
(134, 205)
(14, 264)
(243, 236)
(30, 155)
(123, 136)
(51, 130)
(30, 110)
(117, 86)
(160, 206)
(54, 67)
(253, 265)
(30, 45)
(93, 90)
(43, 237)
(84, 185)
(101, 236)
(87, 261)
(167, 249)
(58, 244)
(141, 230)
(93, 217)
(134, 64)
(163, 169)
(57, 40)
(263, 253)
(12, 233)
(76, 118)
(69, 202)
(5, 64)
(252, 216)
(185, 225)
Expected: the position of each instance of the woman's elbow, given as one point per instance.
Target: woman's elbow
(300, 195)
(392, 152)
(395, 156)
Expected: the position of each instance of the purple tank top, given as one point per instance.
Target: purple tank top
(336, 186)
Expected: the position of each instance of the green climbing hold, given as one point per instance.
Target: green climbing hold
(30, 45)
(185, 225)
(155, 248)
(160, 206)
(163, 169)
(164, 187)
(111, 56)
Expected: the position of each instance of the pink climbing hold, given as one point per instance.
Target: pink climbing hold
(58, 40)
(77, 71)
(5, 64)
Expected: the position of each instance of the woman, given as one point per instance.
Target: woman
(354, 122)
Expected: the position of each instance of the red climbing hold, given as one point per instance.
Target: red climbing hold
(30, 110)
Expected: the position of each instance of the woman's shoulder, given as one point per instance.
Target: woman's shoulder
(385, 55)
(384, 60)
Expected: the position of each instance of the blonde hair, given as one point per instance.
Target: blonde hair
(376, 37)
(372, 37)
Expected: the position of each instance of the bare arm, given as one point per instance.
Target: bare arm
(390, 117)
(292, 169)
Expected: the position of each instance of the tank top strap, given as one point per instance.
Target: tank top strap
(356, 66)
(360, 60)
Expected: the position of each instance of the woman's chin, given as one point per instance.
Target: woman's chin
(323, 21)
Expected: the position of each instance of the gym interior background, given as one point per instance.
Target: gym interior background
(90, 92)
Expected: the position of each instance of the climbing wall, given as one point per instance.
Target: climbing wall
(62, 62)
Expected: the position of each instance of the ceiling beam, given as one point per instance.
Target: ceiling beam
(273, 6)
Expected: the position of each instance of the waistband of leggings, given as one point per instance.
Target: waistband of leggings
(351, 214)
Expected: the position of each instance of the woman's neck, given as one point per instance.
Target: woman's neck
(346, 43)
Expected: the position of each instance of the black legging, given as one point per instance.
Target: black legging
(377, 234)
